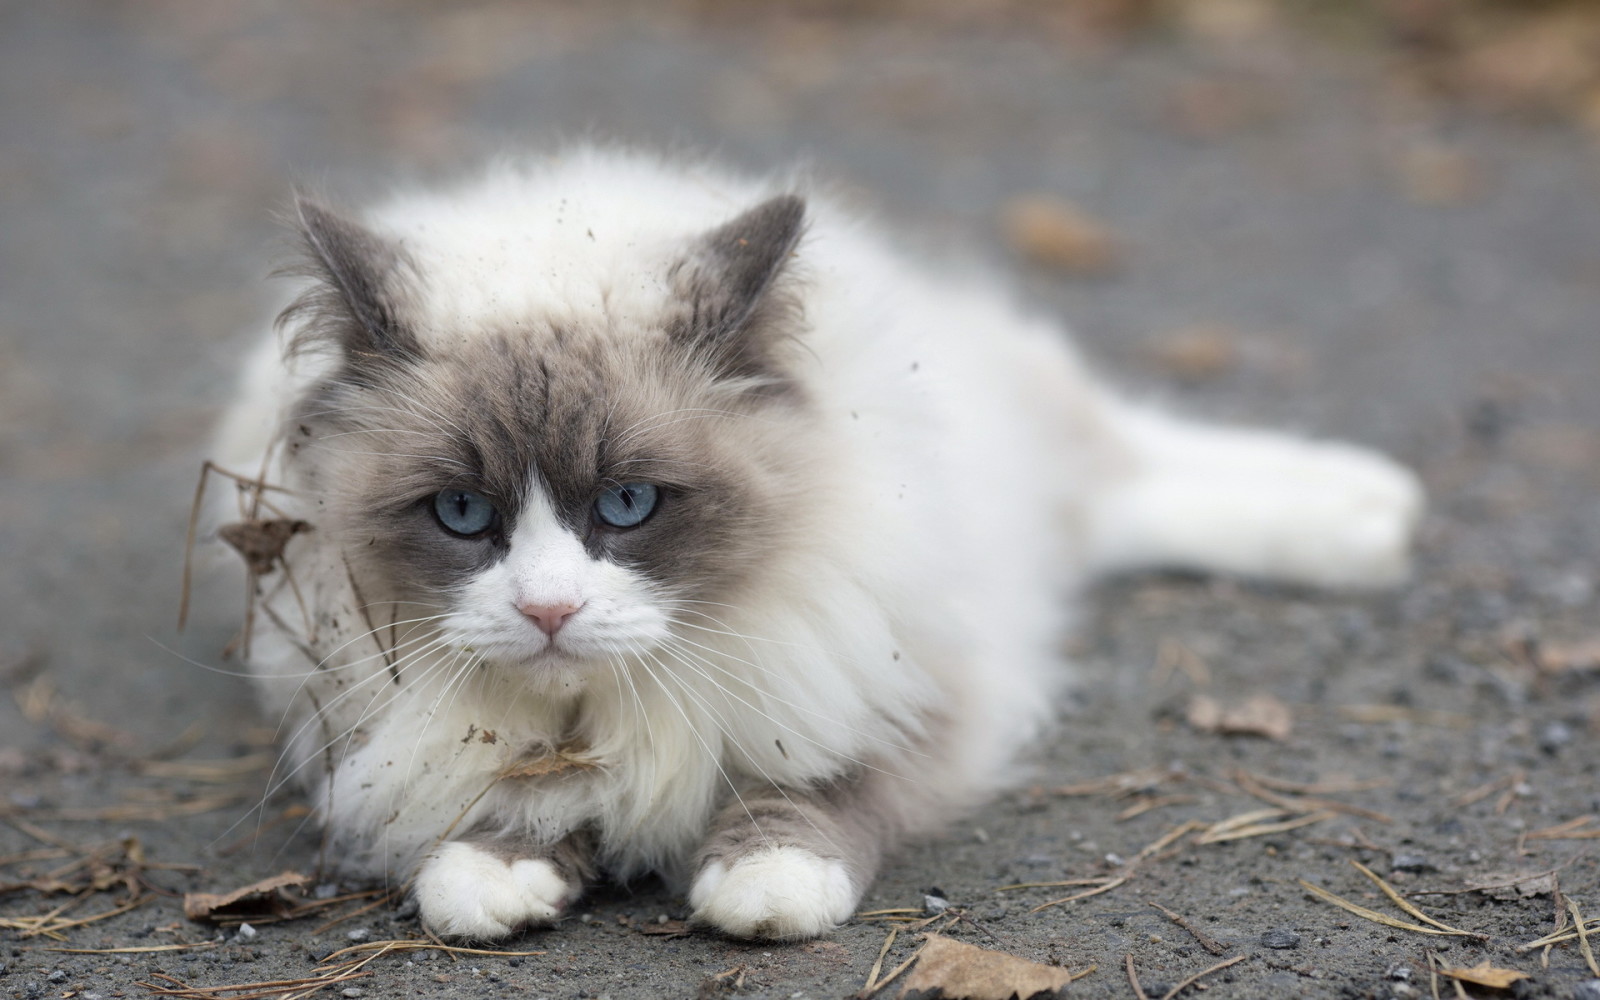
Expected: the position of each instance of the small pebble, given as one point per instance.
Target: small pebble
(1408, 862)
(1589, 989)
(1554, 737)
(57, 976)
(359, 934)
(353, 991)
(934, 904)
(246, 933)
(1399, 973)
(1280, 938)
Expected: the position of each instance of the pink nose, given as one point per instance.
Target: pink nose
(549, 617)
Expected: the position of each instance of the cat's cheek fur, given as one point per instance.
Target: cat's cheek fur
(779, 893)
(469, 893)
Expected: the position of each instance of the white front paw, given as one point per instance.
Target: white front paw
(466, 892)
(779, 893)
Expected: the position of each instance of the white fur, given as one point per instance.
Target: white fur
(975, 475)
(464, 892)
(780, 893)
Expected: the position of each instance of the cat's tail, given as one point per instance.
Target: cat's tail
(1254, 503)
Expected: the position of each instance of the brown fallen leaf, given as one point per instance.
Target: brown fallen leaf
(1258, 715)
(1556, 658)
(1195, 353)
(260, 541)
(953, 970)
(1484, 974)
(543, 761)
(264, 896)
(1058, 234)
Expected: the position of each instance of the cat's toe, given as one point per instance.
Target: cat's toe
(778, 893)
(465, 892)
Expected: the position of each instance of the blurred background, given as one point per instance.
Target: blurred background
(1373, 220)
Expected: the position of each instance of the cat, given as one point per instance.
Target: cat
(646, 518)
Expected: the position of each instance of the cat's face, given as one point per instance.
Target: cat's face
(557, 494)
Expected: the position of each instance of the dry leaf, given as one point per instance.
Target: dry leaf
(1556, 658)
(1194, 353)
(1515, 886)
(261, 541)
(1484, 974)
(1258, 715)
(258, 897)
(952, 970)
(1432, 174)
(544, 761)
(1056, 233)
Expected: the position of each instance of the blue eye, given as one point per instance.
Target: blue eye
(626, 506)
(463, 513)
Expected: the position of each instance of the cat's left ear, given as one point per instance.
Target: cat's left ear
(736, 310)
(352, 299)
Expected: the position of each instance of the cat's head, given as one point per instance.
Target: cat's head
(553, 487)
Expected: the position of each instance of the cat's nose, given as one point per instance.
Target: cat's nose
(549, 617)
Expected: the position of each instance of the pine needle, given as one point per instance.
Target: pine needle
(1405, 904)
(1375, 916)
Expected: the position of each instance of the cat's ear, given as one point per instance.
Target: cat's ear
(736, 310)
(355, 283)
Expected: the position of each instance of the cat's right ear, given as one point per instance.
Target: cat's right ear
(351, 304)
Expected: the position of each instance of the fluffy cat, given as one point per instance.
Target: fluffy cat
(662, 520)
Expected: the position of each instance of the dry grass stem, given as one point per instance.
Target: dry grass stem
(1162, 842)
(1483, 791)
(1400, 713)
(1159, 802)
(1317, 787)
(449, 949)
(896, 911)
(1241, 832)
(1592, 926)
(1205, 941)
(134, 951)
(898, 971)
(1583, 936)
(1061, 884)
(1572, 829)
(1201, 975)
(1375, 916)
(1106, 886)
(1404, 904)
(1119, 785)
(1133, 978)
(1253, 786)
(877, 966)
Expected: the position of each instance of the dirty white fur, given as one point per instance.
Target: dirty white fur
(465, 892)
(781, 893)
(966, 475)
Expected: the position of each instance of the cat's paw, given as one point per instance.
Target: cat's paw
(466, 892)
(775, 893)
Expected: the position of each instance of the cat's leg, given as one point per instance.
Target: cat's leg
(786, 865)
(1251, 502)
(484, 887)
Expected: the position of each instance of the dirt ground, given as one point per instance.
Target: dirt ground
(1352, 228)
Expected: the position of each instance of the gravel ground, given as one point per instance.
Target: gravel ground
(1299, 239)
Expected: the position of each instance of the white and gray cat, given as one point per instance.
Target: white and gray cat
(663, 520)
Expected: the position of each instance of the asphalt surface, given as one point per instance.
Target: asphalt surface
(1358, 262)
